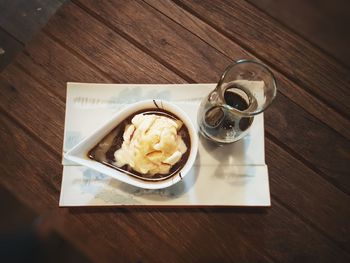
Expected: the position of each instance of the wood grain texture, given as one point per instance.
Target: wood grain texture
(309, 195)
(308, 221)
(150, 32)
(122, 229)
(105, 48)
(234, 52)
(37, 183)
(308, 137)
(279, 48)
(60, 72)
(40, 59)
(21, 95)
(9, 48)
(260, 230)
(321, 22)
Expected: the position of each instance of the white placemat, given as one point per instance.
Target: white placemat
(231, 175)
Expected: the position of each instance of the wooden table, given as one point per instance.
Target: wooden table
(307, 130)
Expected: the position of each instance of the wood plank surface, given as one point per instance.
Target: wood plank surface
(21, 95)
(234, 52)
(321, 22)
(39, 59)
(122, 229)
(9, 48)
(279, 48)
(36, 72)
(62, 73)
(167, 42)
(141, 227)
(105, 48)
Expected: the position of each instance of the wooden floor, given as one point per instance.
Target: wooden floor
(323, 23)
(307, 128)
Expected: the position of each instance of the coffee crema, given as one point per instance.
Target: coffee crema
(104, 151)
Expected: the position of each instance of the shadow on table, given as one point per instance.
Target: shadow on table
(28, 237)
(177, 209)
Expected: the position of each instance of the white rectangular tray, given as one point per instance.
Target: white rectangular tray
(231, 175)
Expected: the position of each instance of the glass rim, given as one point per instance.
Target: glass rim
(245, 113)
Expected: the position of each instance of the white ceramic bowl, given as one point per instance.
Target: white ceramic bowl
(78, 154)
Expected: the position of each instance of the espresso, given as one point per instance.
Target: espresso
(238, 102)
(235, 101)
(104, 151)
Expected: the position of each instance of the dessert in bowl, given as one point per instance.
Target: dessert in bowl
(150, 144)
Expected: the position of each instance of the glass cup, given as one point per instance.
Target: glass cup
(245, 89)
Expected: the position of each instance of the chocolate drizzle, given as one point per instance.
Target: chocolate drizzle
(155, 103)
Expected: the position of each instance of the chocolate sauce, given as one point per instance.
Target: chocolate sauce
(104, 151)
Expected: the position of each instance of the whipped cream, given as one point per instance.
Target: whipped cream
(151, 144)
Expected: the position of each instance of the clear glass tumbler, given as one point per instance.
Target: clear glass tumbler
(245, 89)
